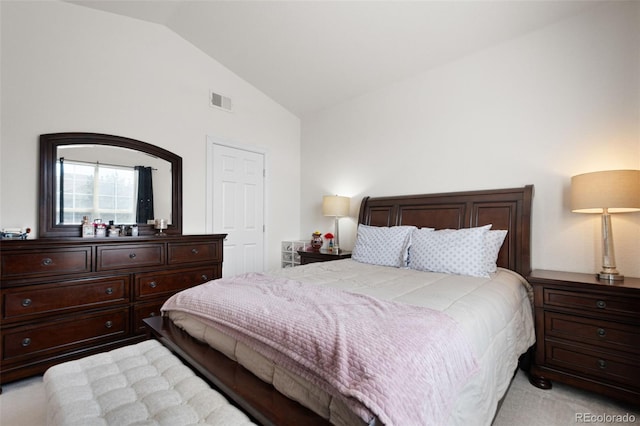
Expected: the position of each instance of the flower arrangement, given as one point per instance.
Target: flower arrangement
(329, 236)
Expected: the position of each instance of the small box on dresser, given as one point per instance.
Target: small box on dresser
(63, 299)
(587, 333)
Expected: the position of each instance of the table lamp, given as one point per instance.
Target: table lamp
(336, 206)
(606, 192)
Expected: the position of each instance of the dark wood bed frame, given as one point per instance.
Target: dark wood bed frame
(508, 209)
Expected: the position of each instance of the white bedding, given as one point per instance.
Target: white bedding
(494, 312)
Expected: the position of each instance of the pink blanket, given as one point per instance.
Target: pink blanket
(404, 363)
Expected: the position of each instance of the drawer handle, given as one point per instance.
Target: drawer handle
(204, 277)
(601, 304)
(47, 261)
(132, 255)
(153, 284)
(602, 364)
(194, 251)
(602, 332)
(26, 302)
(26, 342)
(109, 291)
(108, 324)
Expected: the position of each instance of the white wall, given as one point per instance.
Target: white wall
(536, 110)
(70, 68)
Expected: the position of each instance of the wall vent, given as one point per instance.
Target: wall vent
(217, 100)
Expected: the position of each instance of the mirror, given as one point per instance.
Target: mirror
(82, 155)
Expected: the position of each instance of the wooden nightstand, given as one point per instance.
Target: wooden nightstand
(587, 333)
(321, 256)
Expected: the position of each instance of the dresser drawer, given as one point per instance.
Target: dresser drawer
(26, 264)
(180, 253)
(605, 303)
(609, 366)
(64, 334)
(132, 256)
(145, 310)
(606, 334)
(156, 284)
(20, 303)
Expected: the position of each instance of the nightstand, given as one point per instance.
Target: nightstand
(587, 333)
(321, 256)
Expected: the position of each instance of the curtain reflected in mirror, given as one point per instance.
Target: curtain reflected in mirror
(144, 211)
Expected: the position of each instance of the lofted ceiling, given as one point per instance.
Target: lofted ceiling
(309, 55)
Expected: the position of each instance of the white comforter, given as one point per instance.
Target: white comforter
(495, 314)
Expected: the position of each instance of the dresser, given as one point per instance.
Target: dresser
(587, 333)
(63, 299)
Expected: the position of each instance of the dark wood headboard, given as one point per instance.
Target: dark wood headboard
(508, 209)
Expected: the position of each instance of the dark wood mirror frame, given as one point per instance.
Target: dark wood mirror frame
(49, 143)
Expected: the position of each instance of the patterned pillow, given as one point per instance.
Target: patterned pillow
(459, 251)
(382, 245)
(492, 243)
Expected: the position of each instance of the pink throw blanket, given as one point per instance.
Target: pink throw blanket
(404, 363)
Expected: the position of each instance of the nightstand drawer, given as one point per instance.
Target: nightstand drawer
(606, 334)
(592, 301)
(604, 365)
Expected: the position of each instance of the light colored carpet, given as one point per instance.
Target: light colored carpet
(23, 404)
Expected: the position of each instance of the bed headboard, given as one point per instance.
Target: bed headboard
(508, 209)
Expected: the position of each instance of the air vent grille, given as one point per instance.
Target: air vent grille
(217, 100)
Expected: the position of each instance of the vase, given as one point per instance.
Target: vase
(316, 241)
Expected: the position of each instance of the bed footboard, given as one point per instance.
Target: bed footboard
(259, 400)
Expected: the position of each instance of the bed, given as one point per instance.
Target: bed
(485, 319)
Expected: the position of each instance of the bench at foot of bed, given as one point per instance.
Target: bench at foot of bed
(143, 383)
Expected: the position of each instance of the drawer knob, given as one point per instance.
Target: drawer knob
(152, 314)
(153, 284)
(26, 342)
(47, 261)
(204, 277)
(109, 291)
(602, 364)
(194, 251)
(108, 324)
(26, 302)
(601, 304)
(132, 255)
(602, 332)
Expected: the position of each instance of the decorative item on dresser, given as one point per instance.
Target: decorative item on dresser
(587, 333)
(63, 299)
(322, 256)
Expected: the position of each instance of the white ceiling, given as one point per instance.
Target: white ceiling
(308, 55)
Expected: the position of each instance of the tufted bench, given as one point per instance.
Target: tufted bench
(142, 384)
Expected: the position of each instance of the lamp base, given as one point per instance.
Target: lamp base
(606, 276)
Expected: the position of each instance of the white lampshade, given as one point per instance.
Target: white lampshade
(335, 205)
(618, 191)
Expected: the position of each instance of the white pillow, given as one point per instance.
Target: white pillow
(451, 251)
(492, 243)
(382, 245)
